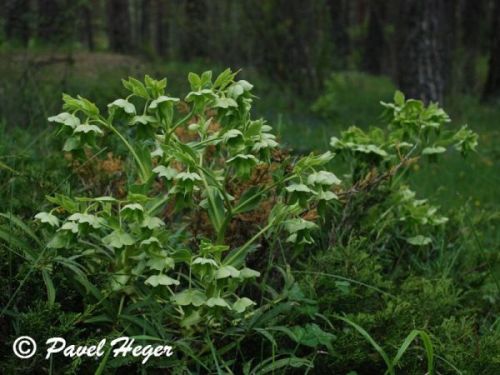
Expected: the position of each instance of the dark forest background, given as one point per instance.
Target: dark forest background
(430, 48)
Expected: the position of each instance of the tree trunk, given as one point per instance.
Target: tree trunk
(339, 18)
(492, 87)
(422, 51)
(161, 27)
(472, 15)
(119, 26)
(194, 41)
(88, 31)
(145, 25)
(49, 20)
(375, 41)
(17, 14)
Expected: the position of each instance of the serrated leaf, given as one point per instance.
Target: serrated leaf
(327, 196)
(242, 304)
(225, 103)
(92, 220)
(167, 172)
(86, 128)
(150, 241)
(188, 176)
(399, 98)
(204, 261)
(298, 224)
(162, 99)
(227, 271)
(142, 119)
(65, 118)
(323, 178)
(118, 239)
(47, 218)
(156, 280)
(136, 87)
(152, 222)
(188, 297)
(127, 107)
(160, 263)
(70, 226)
(132, 207)
(300, 188)
(217, 301)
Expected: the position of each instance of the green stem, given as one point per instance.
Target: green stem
(181, 121)
(143, 171)
(232, 257)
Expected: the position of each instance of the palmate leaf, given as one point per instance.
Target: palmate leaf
(225, 103)
(127, 107)
(161, 279)
(326, 196)
(151, 242)
(92, 220)
(86, 128)
(142, 120)
(204, 261)
(217, 301)
(131, 207)
(167, 172)
(243, 164)
(266, 141)
(70, 226)
(162, 99)
(47, 218)
(80, 104)
(242, 304)
(299, 224)
(323, 178)
(187, 297)
(152, 222)
(232, 136)
(160, 263)
(136, 87)
(188, 176)
(65, 118)
(224, 79)
(227, 271)
(298, 188)
(118, 239)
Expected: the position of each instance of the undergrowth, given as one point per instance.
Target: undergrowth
(181, 220)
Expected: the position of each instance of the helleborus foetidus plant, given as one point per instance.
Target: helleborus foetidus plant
(183, 154)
